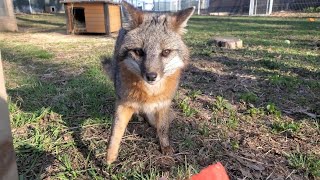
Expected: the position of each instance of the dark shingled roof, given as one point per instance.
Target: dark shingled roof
(89, 1)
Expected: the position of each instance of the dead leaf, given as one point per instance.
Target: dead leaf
(246, 173)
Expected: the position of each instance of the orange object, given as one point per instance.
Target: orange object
(212, 172)
(311, 19)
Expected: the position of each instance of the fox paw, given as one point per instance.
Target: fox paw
(168, 150)
(110, 159)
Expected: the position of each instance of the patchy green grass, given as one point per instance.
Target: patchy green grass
(186, 108)
(61, 103)
(280, 127)
(272, 109)
(221, 104)
(254, 112)
(306, 163)
(249, 97)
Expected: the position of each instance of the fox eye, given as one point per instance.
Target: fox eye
(166, 52)
(138, 52)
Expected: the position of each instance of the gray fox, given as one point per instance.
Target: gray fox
(148, 59)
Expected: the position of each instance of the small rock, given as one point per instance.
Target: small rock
(287, 41)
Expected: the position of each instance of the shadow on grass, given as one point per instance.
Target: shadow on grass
(254, 23)
(287, 93)
(269, 32)
(78, 97)
(275, 62)
(271, 81)
(33, 162)
(40, 22)
(44, 26)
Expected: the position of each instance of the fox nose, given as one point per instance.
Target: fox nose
(151, 76)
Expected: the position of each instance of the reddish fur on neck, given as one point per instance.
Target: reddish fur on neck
(138, 92)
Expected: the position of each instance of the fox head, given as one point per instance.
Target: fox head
(152, 46)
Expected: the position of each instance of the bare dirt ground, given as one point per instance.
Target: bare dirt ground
(295, 14)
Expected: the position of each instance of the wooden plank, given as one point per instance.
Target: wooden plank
(115, 23)
(92, 26)
(96, 10)
(95, 23)
(96, 30)
(90, 15)
(93, 11)
(92, 5)
(67, 15)
(114, 17)
(86, 5)
(92, 19)
(107, 21)
(8, 166)
(70, 28)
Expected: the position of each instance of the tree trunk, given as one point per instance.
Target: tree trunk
(7, 18)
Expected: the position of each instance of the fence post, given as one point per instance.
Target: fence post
(8, 166)
(255, 7)
(270, 7)
(251, 7)
(30, 7)
(199, 4)
(7, 18)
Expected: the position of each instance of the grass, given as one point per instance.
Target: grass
(306, 163)
(249, 97)
(272, 109)
(240, 107)
(256, 112)
(280, 126)
(221, 104)
(186, 108)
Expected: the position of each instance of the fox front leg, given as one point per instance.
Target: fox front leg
(122, 117)
(163, 121)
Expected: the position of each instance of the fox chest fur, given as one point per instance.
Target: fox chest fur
(143, 97)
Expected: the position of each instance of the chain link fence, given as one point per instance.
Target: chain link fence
(262, 7)
(38, 6)
(295, 5)
(240, 7)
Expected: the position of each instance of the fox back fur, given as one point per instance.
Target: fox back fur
(148, 60)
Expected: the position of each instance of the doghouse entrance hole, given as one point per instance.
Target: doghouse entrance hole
(79, 20)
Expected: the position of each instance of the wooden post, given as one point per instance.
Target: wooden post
(67, 16)
(8, 166)
(251, 8)
(270, 7)
(8, 21)
(199, 4)
(107, 17)
(227, 42)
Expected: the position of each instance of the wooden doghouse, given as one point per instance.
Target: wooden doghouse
(99, 16)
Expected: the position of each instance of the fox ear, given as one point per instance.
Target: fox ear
(180, 19)
(135, 15)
